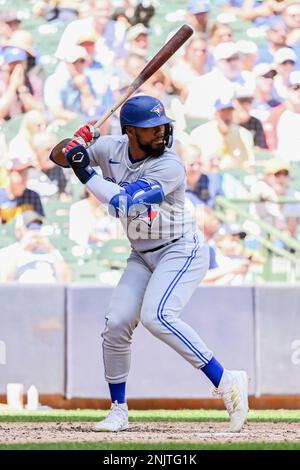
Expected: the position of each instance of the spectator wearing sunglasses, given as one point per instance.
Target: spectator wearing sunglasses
(242, 116)
(264, 100)
(285, 61)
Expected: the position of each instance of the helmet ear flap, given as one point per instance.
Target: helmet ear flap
(169, 128)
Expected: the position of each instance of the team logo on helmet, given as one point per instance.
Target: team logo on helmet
(158, 109)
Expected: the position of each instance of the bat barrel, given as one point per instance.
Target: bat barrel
(174, 43)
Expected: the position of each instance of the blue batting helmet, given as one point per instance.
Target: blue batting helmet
(145, 111)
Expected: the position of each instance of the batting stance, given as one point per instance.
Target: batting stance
(144, 184)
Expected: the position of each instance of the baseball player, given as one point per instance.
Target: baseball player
(143, 183)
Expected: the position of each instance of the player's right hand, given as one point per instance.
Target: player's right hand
(85, 136)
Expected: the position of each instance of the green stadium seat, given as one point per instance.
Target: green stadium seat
(11, 127)
(87, 271)
(57, 214)
(115, 253)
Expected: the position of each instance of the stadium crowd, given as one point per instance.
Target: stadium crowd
(235, 97)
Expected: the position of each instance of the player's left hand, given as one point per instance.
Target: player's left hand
(84, 136)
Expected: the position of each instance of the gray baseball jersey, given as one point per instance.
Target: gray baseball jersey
(160, 224)
(156, 284)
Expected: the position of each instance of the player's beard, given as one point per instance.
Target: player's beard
(152, 151)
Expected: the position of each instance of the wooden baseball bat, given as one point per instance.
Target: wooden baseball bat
(57, 154)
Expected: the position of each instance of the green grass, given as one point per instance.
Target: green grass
(154, 416)
(274, 416)
(138, 446)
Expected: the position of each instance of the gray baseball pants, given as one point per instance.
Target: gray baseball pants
(154, 289)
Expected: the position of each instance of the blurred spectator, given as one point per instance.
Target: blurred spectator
(110, 34)
(222, 137)
(291, 16)
(289, 122)
(194, 175)
(46, 178)
(158, 85)
(275, 183)
(87, 40)
(99, 75)
(18, 93)
(248, 53)
(137, 41)
(112, 39)
(121, 14)
(209, 224)
(9, 23)
(229, 262)
(220, 33)
(264, 100)
(61, 10)
(232, 261)
(21, 145)
(201, 188)
(220, 83)
(198, 13)
(75, 92)
(133, 65)
(192, 65)
(271, 124)
(276, 39)
(89, 222)
(265, 107)
(261, 13)
(23, 39)
(16, 197)
(242, 116)
(285, 61)
(33, 258)
(230, 6)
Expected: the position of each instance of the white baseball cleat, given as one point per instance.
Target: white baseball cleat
(233, 389)
(116, 420)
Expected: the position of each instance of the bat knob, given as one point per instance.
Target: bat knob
(58, 154)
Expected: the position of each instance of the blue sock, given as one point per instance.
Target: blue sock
(214, 371)
(117, 392)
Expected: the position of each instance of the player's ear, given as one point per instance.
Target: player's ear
(130, 131)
